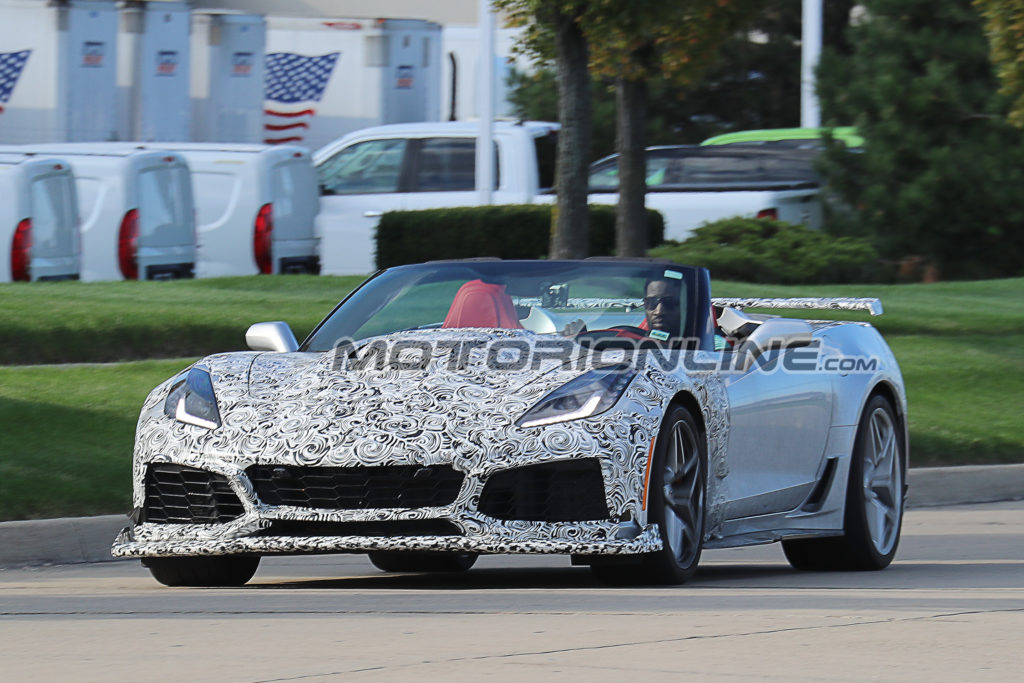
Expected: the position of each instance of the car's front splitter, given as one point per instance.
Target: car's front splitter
(649, 540)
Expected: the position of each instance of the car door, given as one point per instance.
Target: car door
(357, 184)
(443, 173)
(364, 180)
(778, 425)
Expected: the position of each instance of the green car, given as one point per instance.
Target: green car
(848, 134)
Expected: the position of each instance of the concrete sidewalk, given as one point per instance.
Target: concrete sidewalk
(75, 540)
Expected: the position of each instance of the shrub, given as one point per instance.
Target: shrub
(514, 231)
(766, 251)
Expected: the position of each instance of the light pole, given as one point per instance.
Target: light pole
(485, 106)
(810, 53)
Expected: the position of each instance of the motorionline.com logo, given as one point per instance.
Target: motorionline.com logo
(516, 355)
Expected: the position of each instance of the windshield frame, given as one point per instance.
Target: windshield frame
(696, 282)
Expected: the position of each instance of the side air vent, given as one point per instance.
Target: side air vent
(821, 489)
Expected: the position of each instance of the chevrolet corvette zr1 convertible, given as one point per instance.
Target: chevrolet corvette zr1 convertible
(605, 409)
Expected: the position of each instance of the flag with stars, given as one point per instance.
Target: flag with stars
(294, 83)
(11, 65)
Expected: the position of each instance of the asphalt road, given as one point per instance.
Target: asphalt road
(950, 608)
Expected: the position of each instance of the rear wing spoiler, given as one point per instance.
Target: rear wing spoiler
(872, 306)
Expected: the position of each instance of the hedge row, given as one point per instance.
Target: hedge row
(514, 231)
(767, 251)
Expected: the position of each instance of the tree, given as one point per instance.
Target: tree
(940, 172)
(753, 83)
(555, 32)
(634, 42)
(1004, 25)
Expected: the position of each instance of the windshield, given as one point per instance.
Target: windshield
(567, 298)
(709, 167)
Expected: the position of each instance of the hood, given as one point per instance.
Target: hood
(493, 361)
(319, 410)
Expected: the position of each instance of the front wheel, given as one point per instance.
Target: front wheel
(874, 501)
(421, 561)
(227, 570)
(676, 503)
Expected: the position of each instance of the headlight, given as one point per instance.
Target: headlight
(589, 394)
(192, 400)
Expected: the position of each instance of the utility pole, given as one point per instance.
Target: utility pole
(485, 106)
(810, 54)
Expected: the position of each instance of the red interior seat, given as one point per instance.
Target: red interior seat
(482, 304)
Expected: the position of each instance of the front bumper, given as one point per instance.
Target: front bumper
(647, 541)
(223, 509)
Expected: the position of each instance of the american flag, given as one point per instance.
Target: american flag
(11, 64)
(294, 82)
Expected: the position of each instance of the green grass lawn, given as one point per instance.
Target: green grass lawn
(67, 436)
(66, 432)
(78, 322)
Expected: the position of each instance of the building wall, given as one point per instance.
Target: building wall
(440, 11)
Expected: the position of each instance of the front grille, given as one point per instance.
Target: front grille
(356, 488)
(564, 491)
(176, 494)
(398, 527)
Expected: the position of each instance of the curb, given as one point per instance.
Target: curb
(68, 540)
(931, 486)
(76, 540)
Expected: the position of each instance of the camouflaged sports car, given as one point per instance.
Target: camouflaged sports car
(609, 410)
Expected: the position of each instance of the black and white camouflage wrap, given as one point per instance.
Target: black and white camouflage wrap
(300, 409)
(872, 306)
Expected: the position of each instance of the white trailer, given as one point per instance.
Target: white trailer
(58, 66)
(153, 72)
(460, 71)
(328, 77)
(256, 205)
(227, 77)
(137, 210)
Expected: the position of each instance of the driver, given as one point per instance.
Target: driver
(662, 306)
(662, 309)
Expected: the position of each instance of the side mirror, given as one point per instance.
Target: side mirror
(275, 336)
(774, 333)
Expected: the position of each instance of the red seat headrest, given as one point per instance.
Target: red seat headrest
(482, 304)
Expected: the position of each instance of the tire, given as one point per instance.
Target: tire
(421, 561)
(677, 503)
(228, 570)
(873, 515)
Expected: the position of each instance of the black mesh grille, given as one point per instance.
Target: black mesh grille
(564, 491)
(176, 494)
(398, 527)
(356, 488)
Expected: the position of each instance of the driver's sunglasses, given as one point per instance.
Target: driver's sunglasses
(669, 303)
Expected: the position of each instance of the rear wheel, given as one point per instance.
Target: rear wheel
(874, 501)
(228, 570)
(421, 561)
(676, 503)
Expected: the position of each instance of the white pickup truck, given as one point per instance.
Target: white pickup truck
(691, 185)
(412, 166)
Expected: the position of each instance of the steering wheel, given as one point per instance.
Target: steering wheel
(610, 333)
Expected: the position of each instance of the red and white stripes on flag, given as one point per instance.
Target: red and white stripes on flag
(294, 84)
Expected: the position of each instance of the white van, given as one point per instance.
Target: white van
(256, 206)
(137, 212)
(38, 220)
